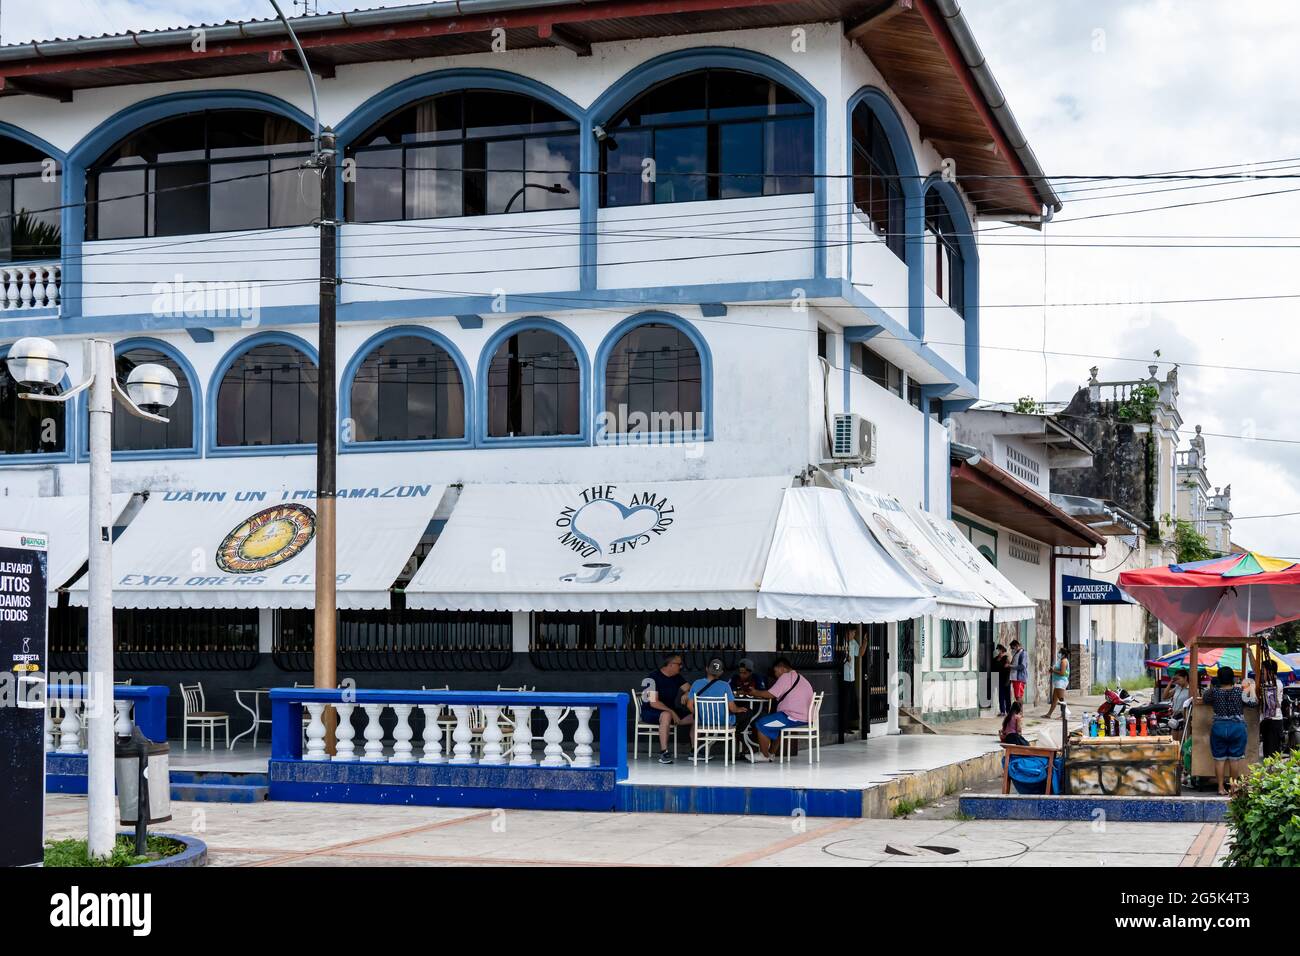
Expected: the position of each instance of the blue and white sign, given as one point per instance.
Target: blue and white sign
(1087, 591)
(825, 643)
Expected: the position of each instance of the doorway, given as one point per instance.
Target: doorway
(877, 672)
(906, 662)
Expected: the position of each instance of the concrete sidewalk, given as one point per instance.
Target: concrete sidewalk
(989, 724)
(297, 834)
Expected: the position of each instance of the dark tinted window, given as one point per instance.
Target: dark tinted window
(877, 189)
(408, 389)
(713, 134)
(465, 153)
(215, 171)
(27, 427)
(29, 197)
(945, 272)
(654, 382)
(138, 434)
(534, 387)
(268, 397)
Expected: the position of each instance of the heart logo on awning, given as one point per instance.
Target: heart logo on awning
(604, 523)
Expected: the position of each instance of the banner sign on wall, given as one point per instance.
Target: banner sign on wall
(825, 643)
(23, 574)
(1087, 591)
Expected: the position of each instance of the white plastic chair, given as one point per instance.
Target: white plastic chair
(648, 730)
(712, 726)
(811, 733)
(198, 715)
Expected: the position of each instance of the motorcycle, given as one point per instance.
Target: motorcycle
(1121, 704)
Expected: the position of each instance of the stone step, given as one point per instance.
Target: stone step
(228, 777)
(218, 792)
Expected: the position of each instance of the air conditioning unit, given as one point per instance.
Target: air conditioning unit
(853, 438)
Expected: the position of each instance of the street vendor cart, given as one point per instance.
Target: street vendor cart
(1216, 606)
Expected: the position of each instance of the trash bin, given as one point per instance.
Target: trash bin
(141, 762)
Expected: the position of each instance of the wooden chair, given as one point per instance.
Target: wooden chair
(1019, 750)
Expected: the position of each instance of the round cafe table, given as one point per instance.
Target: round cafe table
(255, 711)
(757, 706)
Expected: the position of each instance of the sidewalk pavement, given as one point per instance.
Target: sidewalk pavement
(319, 834)
(989, 723)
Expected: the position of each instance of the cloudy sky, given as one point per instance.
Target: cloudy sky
(1103, 87)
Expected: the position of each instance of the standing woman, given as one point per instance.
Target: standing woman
(1228, 732)
(1002, 664)
(1060, 681)
(1270, 696)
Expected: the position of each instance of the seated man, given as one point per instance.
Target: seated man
(662, 701)
(744, 682)
(793, 695)
(712, 686)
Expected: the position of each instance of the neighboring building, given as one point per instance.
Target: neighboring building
(581, 246)
(1218, 521)
(1209, 513)
(1003, 465)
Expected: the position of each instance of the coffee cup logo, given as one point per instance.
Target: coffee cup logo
(607, 524)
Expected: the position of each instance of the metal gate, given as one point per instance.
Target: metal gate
(877, 672)
(906, 662)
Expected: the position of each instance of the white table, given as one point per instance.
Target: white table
(255, 711)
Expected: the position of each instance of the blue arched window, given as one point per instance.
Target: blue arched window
(945, 269)
(29, 201)
(465, 153)
(27, 427)
(654, 380)
(407, 387)
(534, 386)
(209, 171)
(267, 396)
(877, 187)
(133, 434)
(712, 134)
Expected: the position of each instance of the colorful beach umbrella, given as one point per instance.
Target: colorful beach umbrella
(1233, 596)
(1210, 658)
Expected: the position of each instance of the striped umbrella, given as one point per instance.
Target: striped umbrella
(1210, 658)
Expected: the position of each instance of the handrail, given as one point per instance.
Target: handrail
(490, 719)
(144, 705)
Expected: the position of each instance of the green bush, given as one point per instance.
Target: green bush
(73, 852)
(1265, 814)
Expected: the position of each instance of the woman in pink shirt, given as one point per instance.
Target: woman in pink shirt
(793, 695)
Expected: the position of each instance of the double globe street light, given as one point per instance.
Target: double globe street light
(38, 368)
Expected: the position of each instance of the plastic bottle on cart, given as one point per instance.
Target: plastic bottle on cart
(1091, 726)
(1152, 727)
(1101, 725)
(1132, 727)
(1141, 727)
(1123, 727)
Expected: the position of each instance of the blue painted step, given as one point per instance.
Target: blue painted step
(232, 778)
(218, 792)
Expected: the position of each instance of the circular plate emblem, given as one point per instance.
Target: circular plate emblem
(900, 542)
(268, 538)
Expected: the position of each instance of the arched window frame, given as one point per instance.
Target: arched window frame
(196, 408)
(607, 347)
(212, 449)
(65, 194)
(112, 131)
(69, 427)
(640, 78)
(883, 108)
(427, 85)
(961, 221)
(359, 358)
(482, 438)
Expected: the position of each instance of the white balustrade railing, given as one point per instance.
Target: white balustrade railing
(496, 730)
(66, 715)
(30, 285)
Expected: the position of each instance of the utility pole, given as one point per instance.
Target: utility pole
(325, 658)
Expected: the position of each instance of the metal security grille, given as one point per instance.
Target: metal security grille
(399, 640)
(627, 640)
(797, 640)
(1022, 466)
(155, 639)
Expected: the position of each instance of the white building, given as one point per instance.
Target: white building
(720, 226)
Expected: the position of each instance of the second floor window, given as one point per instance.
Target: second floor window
(26, 427)
(944, 269)
(711, 134)
(29, 200)
(215, 171)
(653, 382)
(268, 397)
(138, 434)
(877, 189)
(534, 387)
(408, 389)
(466, 153)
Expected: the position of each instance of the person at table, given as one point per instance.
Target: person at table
(792, 696)
(1011, 726)
(1179, 697)
(663, 702)
(714, 686)
(746, 680)
(1228, 732)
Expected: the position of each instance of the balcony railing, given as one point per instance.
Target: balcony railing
(66, 713)
(30, 285)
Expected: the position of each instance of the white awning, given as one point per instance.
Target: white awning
(626, 546)
(65, 521)
(251, 548)
(1009, 602)
(900, 531)
(824, 567)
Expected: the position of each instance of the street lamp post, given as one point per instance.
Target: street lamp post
(555, 188)
(36, 365)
